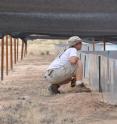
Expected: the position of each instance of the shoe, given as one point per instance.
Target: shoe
(82, 88)
(81, 85)
(53, 89)
(73, 82)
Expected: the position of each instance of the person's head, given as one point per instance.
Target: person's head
(75, 42)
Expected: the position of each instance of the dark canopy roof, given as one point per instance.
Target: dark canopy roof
(59, 18)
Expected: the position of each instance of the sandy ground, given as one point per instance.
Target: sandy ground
(24, 99)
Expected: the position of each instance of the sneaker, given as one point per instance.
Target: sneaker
(53, 89)
(82, 88)
(81, 85)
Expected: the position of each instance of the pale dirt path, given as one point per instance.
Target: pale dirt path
(24, 99)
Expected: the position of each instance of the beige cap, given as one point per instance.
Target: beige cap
(74, 40)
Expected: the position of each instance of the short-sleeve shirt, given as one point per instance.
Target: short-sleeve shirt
(62, 60)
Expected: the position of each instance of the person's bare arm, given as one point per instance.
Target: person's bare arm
(73, 60)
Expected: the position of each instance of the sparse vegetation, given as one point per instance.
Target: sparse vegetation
(24, 98)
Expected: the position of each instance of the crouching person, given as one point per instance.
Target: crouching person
(66, 66)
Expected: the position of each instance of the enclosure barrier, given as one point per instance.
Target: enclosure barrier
(100, 71)
(10, 56)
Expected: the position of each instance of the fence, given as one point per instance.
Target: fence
(100, 71)
(10, 48)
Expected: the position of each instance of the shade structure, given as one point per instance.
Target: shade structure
(86, 18)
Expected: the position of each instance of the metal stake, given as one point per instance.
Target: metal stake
(104, 44)
(11, 54)
(93, 44)
(100, 83)
(26, 48)
(7, 55)
(14, 50)
(17, 48)
(2, 58)
(84, 65)
(22, 50)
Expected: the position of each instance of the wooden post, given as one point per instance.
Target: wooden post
(22, 50)
(2, 58)
(80, 56)
(11, 54)
(26, 47)
(104, 44)
(84, 66)
(93, 44)
(100, 86)
(88, 48)
(100, 82)
(7, 55)
(15, 50)
(25, 53)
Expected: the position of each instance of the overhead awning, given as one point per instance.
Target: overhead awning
(60, 18)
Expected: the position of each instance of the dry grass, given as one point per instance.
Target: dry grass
(24, 98)
(43, 46)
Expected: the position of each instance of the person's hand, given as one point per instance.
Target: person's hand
(73, 60)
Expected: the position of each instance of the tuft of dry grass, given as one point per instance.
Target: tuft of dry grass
(43, 47)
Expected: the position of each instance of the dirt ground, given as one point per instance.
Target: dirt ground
(24, 99)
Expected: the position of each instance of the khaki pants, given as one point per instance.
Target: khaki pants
(65, 73)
